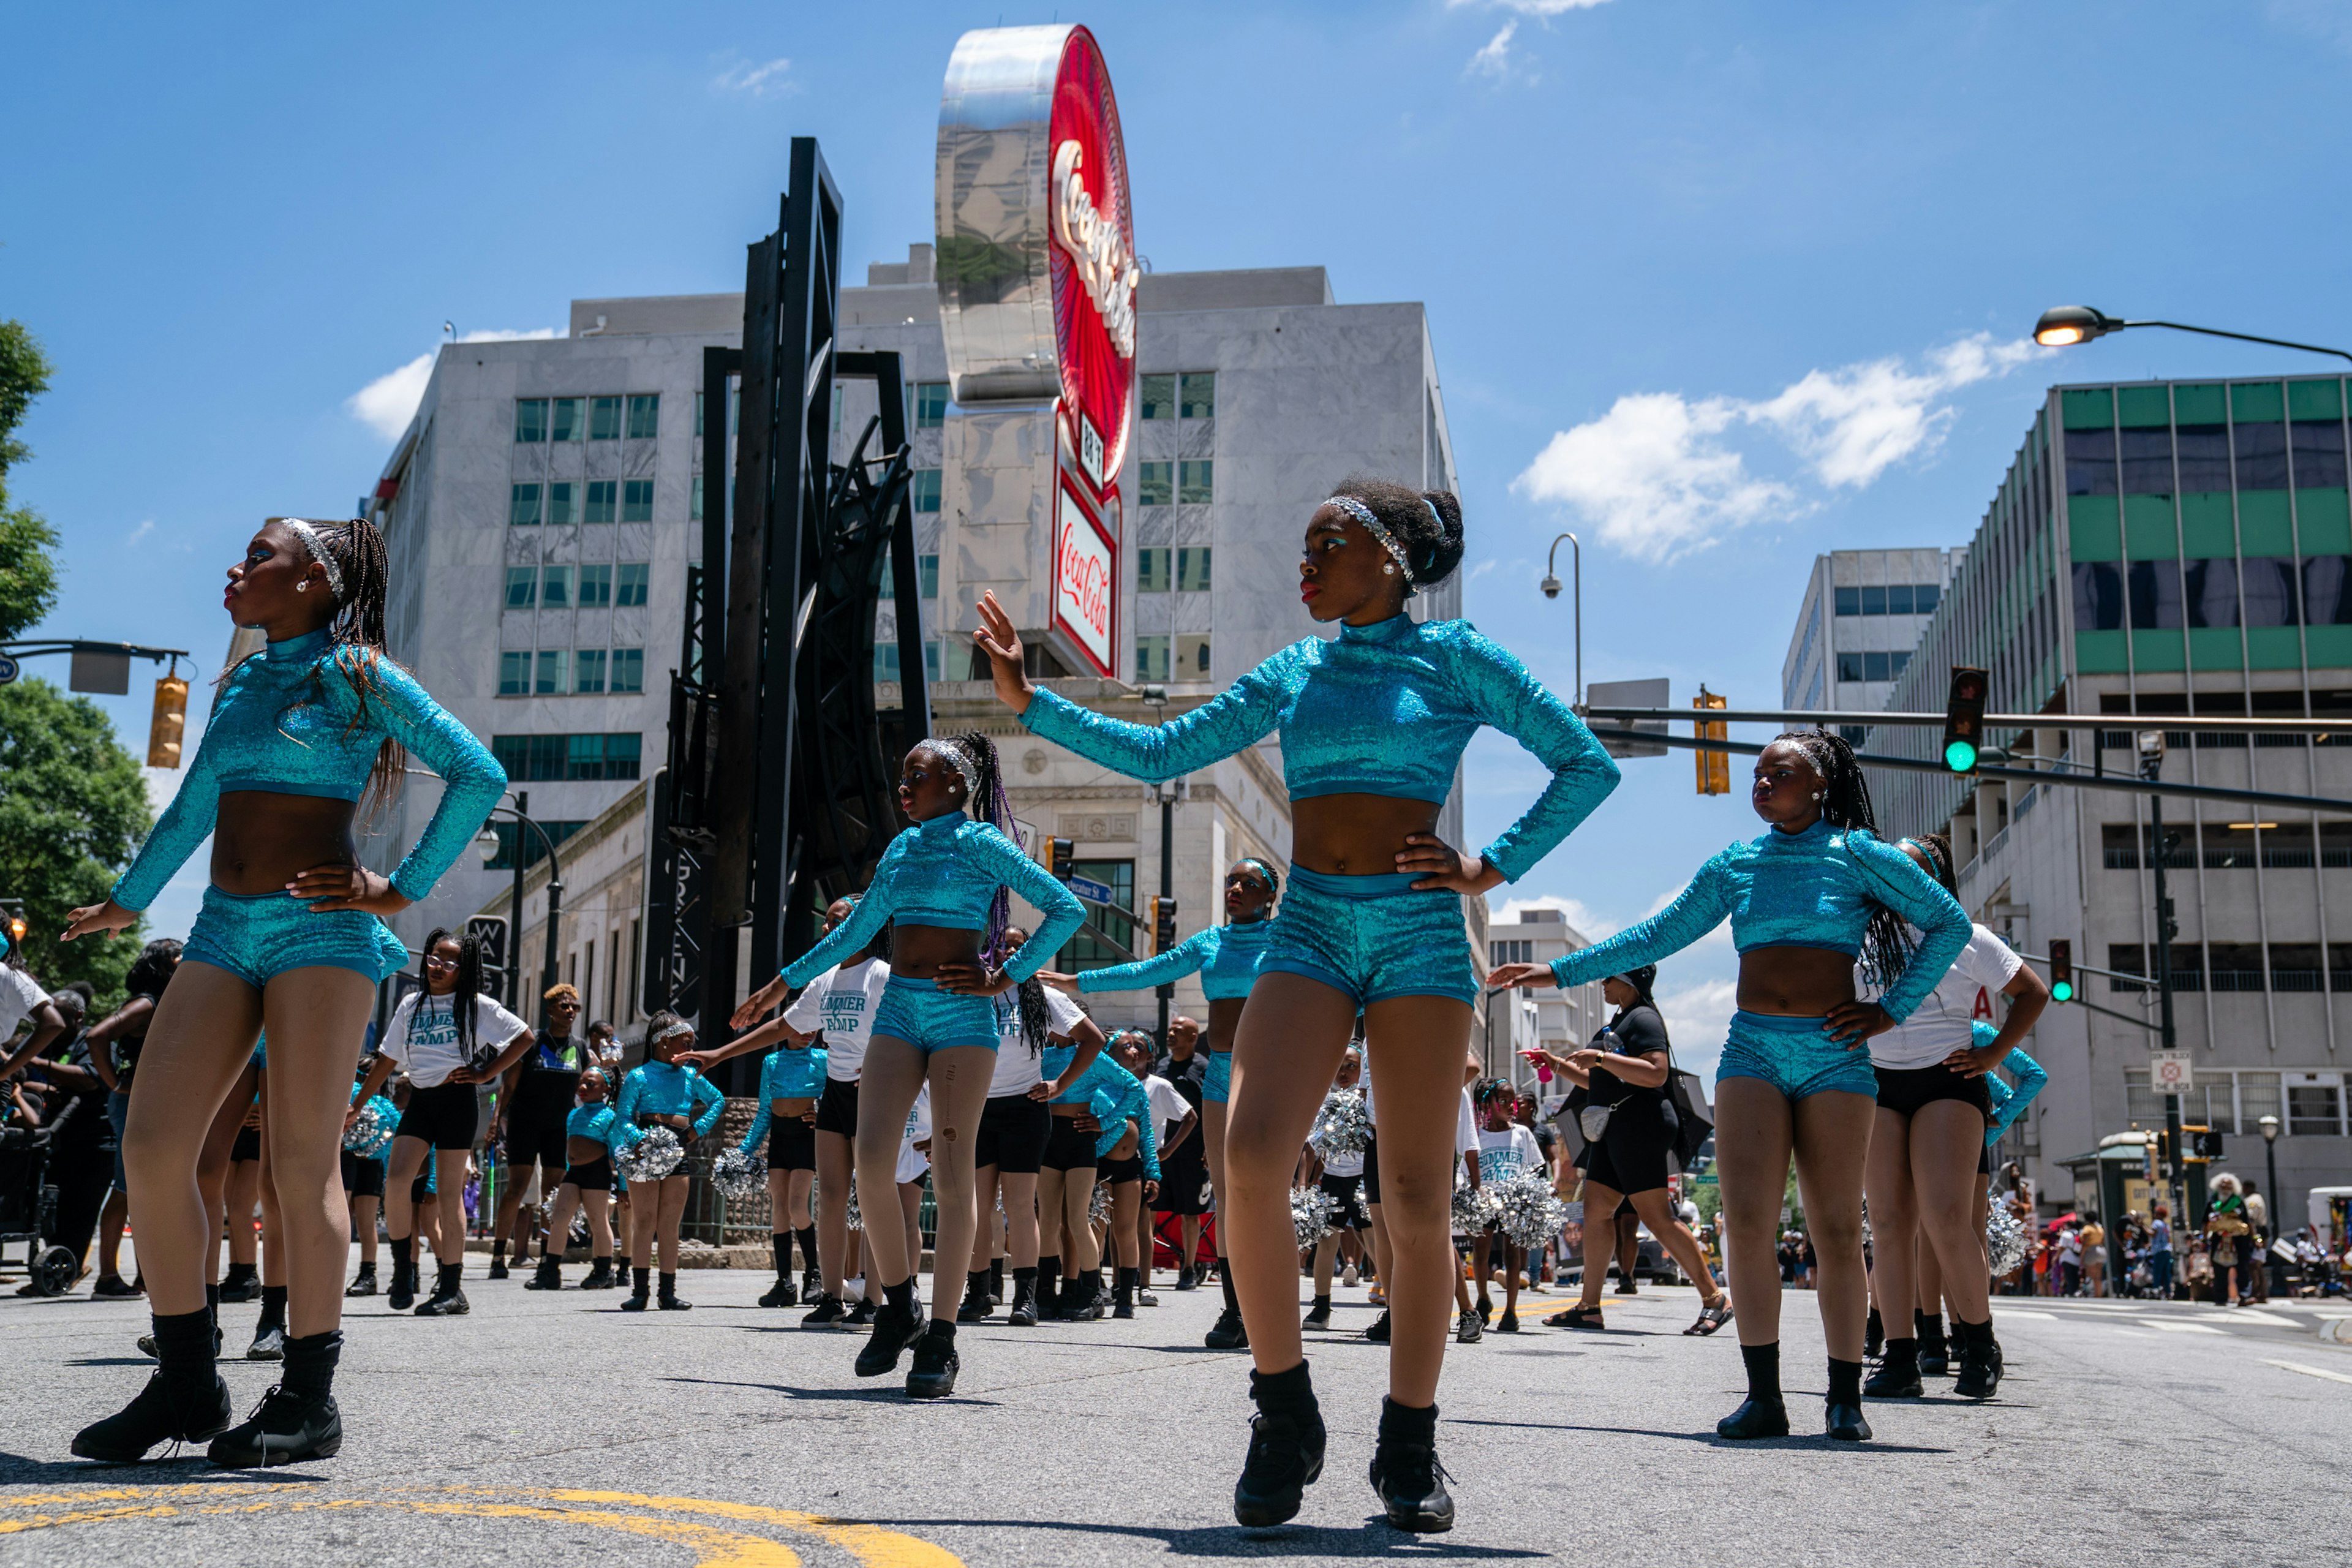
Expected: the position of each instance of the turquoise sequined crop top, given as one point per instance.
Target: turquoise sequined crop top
(283, 723)
(665, 1089)
(1815, 888)
(1380, 709)
(790, 1072)
(593, 1119)
(1225, 957)
(945, 872)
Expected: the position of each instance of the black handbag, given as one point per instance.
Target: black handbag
(1693, 1126)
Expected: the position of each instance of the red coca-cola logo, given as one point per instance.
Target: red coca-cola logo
(1094, 269)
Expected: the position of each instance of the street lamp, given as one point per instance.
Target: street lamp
(1550, 586)
(2269, 1126)
(490, 844)
(2062, 326)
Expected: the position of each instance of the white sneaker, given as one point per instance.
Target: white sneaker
(1348, 1276)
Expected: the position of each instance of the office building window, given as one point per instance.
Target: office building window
(522, 587)
(530, 419)
(588, 671)
(534, 848)
(2295, 967)
(562, 505)
(1191, 659)
(1151, 659)
(539, 759)
(2318, 453)
(628, 670)
(1896, 599)
(930, 404)
(636, 500)
(923, 489)
(604, 497)
(1192, 569)
(927, 576)
(603, 419)
(2147, 461)
(553, 666)
(697, 416)
(522, 505)
(1157, 485)
(2154, 588)
(2325, 602)
(1512, 952)
(645, 415)
(630, 589)
(2090, 462)
(2314, 1109)
(595, 587)
(2098, 596)
(571, 419)
(1195, 481)
(1083, 952)
(1159, 397)
(514, 673)
(555, 588)
(1200, 395)
(2260, 449)
(693, 500)
(2267, 584)
(1151, 570)
(1871, 665)
(887, 665)
(2204, 456)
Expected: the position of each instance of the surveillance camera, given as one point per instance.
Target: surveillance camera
(1550, 587)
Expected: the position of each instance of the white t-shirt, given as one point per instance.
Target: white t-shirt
(423, 1038)
(1018, 1067)
(912, 1162)
(1940, 1025)
(840, 1004)
(1168, 1106)
(19, 994)
(1465, 1131)
(1510, 1153)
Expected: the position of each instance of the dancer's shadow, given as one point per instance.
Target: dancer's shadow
(189, 1466)
(881, 1393)
(1797, 1440)
(1377, 1539)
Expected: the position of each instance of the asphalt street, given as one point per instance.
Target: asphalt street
(541, 1428)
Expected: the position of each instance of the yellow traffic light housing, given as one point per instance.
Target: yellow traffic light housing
(169, 723)
(1714, 767)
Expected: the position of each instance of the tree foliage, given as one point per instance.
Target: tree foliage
(28, 575)
(73, 807)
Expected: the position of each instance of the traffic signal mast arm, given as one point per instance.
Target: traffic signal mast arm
(2189, 721)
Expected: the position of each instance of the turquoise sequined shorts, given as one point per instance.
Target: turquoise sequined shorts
(1217, 1083)
(258, 937)
(1795, 1056)
(920, 1013)
(1371, 938)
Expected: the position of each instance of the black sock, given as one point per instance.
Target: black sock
(1323, 1303)
(1226, 1275)
(1846, 1382)
(975, 1282)
(183, 1344)
(403, 1251)
(1875, 1325)
(367, 1268)
(1973, 1334)
(902, 1295)
(1049, 1269)
(449, 1275)
(310, 1364)
(602, 1260)
(1901, 1352)
(1928, 1325)
(1024, 1280)
(640, 1280)
(498, 1252)
(212, 1301)
(1763, 1371)
(1288, 1389)
(238, 1273)
(942, 1328)
(548, 1250)
(781, 1242)
(669, 1284)
(996, 1276)
(806, 1236)
(273, 1309)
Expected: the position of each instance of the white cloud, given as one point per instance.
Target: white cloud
(1494, 58)
(1532, 7)
(758, 80)
(388, 403)
(1697, 1018)
(1657, 477)
(146, 526)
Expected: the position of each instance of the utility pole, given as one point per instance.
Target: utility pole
(1167, 794)
(2151, 763)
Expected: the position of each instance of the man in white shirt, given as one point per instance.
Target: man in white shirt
(1174, 1120)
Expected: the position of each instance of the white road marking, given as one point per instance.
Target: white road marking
(2308, 1371)
(2183, 1328)
(2024, 1312)
(2255, 1315)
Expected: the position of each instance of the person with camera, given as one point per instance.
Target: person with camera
(1629, 1123)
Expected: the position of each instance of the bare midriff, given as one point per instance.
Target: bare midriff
(583, 1151)
(262, 840)
(1068, 1113)
(1794, 981)
(1224, 1018)
(919, 952)
(1356, 835)
(796, 1105)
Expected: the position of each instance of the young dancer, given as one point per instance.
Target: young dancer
(1184, 1184)
(364, 1181)
(1227, 959)
(539, 1089)
(791, 1077)
(1130, 1146)
(446, 1047)
(1624, 1073)
(587, 1184)
(300, 734)
(1372, 724)
(1176, 1123)
(663, 1092)
(242, 1195)
(2008, 1105)
(1928, 1141)
(1506, 1150)
(115, 1042)
(1340, 1177)
(1805, 899)
(1067, 1174)
(943, 884)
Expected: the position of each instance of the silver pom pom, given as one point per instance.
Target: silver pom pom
(372, 1130)
(2006, 1243)
(651, 1157)
(1310, 1215)
(1527, 1210)
(737, 1175)
(1098, 1205)
(1868, 1240)
(1340, 1127)
(1473, 1209)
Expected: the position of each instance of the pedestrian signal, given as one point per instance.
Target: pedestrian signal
(1064, 854)
(1163, 923)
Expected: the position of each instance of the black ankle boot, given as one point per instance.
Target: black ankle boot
(1873, 1336)
(296, 1420)
(1123, 1298)
(1405, 1470)
(1025, 1300)
(1841, 1416)
(1980, 1360)
(1897, 1376)
(1763, 1413)
(1286, 1448)
(641, 1286)
(996, 1282)
(364, 1285)
(548, 1276)
(448, 1298)
(897, 1325)
(1935, 1361)
(827, 1310)
(599, 1275)
(976, 1306)
(933, 1375)
(402, 1294)
(184, 1400)
(1048, 1300)
(498, 1261)
(239, 1285)
(666, 1298)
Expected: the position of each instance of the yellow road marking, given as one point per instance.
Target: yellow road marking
(871, 1545)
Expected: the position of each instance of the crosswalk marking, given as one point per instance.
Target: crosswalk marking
(2308, 1371)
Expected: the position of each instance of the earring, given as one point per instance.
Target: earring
(1388, 569)
(302, 587)
(1817, 794)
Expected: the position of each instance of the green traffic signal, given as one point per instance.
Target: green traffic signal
(2063, 991)
(1961, 756)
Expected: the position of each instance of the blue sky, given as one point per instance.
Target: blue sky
(1719, 285)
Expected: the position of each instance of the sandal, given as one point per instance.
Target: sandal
(1577, 1317)
(1711, 1317)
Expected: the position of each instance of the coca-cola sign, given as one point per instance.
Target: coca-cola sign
(1085, 587)
(1095, 271)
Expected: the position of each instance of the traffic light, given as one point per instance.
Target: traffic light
(2206, 1142)
(17, 931)
(1163, 923)
(1964, 720)
(1064, 854)
(170, 723)
(2062, 971)
(2164, 1165)
(1714, 767)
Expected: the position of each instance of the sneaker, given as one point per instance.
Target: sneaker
(1897, 1376)
(362, 1286)
(1406, 1474)
(547, 1276)
(162, 1411)
(1185, 1280)
(1318, 1316)
(1979, 1369)
(1378, 1333)
(1509, 1323)
(1285, 1457)
(240, 1287)
(147, 1344)
(499, 1267)
(1147, 1299)
(829, 1310)
(975, 1308)
(600, 1276)
(402, 1294)
(269, 1344)
(1468, 1329)
(283, 1430)
(1228, 1334)
(449, 1304)
(812, 1284)
(894, 1332)
(1377, 1294)
(115, 1288)
(1348, 1276)
(783, 1293)
(1485, 1311)
(862, 1315)
(933, 1374)
(1025, 1305)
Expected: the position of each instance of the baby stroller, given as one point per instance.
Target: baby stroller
(28, 1209)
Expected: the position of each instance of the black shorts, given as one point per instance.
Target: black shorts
(1371, 1169)
(1631, 1156)
(1984, 1160)
(542, 1101)
(1067, 1148)
(792, 1144)
(837, 1108)
(1347, 1213)
(1111, 1172)
(595, 1176)
(1013, 1131)
(446, 1116)
(362, 1175)
(248, 1145)
(1905, 1091)
(1185, 1179)
(419, 1192)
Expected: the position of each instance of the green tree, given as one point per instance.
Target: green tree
(28, 574)
(73, 807)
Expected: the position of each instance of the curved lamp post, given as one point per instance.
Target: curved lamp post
(2062, 326)
(1550, 586)
(489, 843)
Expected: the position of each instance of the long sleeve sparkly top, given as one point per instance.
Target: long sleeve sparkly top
(292, 720)
(665, 1089)
(2009, 1104)
(945, 872)
(596, 1121)
(1114, 1096)
(1815, 888)
(1224, 957)
(1380, 709)
(788, 1072)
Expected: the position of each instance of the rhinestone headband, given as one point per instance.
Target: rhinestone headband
(675, 1029)
(317, 547)
(962, 763)
(1380, 531)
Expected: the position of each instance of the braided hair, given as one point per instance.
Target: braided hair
(355, 635)
(469, 986)
(1428, 523)
(1886, 944)
(991, 804)
(1029, 1002)
(1273, 880)
(1937, 847)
